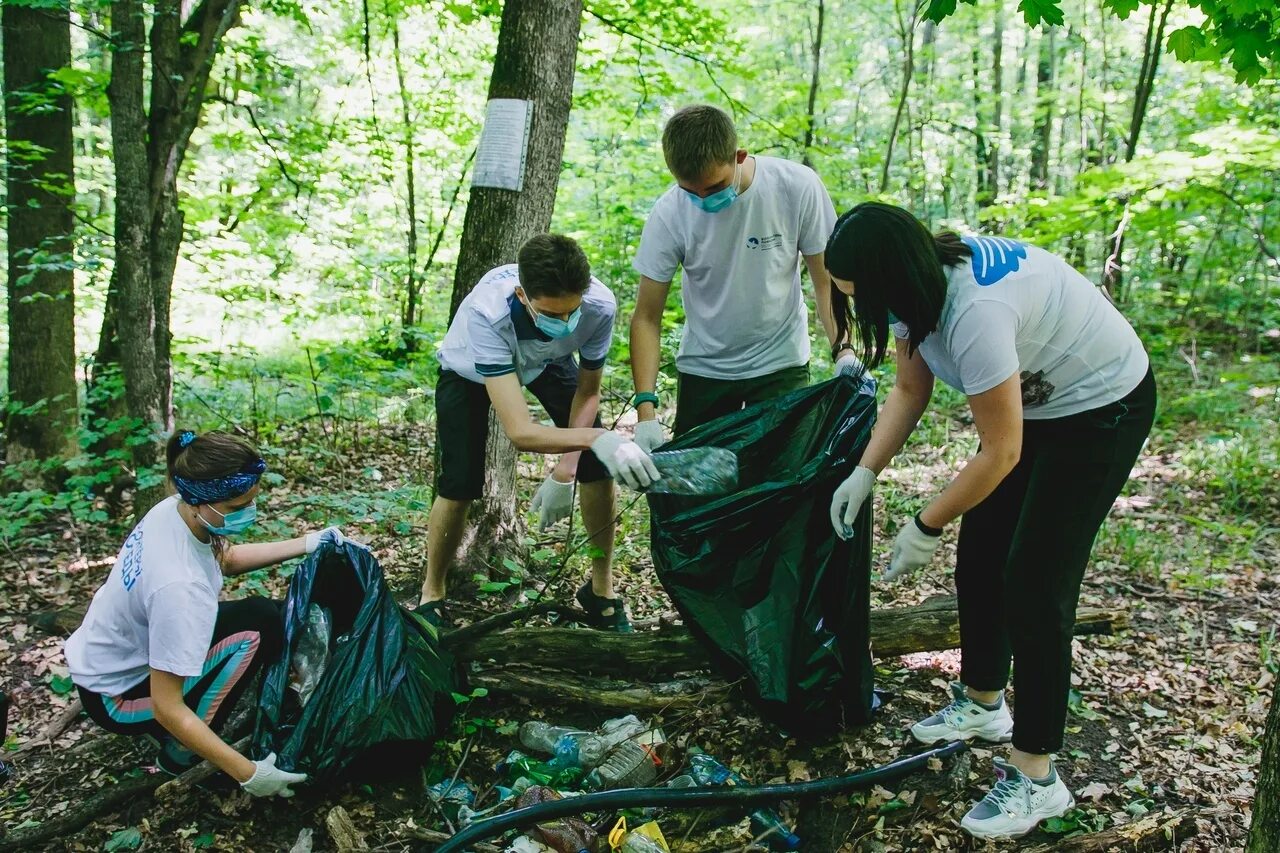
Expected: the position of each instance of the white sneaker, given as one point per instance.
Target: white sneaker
(965, 719)
(1016, 804)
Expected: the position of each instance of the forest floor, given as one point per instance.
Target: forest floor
(1164, 721)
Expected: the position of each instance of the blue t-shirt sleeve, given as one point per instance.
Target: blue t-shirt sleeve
(490, 352)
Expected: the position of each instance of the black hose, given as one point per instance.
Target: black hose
(688, 797)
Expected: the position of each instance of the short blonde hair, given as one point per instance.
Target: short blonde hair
(696, 139)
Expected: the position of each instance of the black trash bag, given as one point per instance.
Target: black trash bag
(386, 691)
(759, 576)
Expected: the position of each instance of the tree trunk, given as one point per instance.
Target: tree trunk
(1113, 268)
(537, 50)
(1042, 136)
(40, 187)
(907, 30)
(410, 317)
(810, 114)
(1264, 834)
(989, 184)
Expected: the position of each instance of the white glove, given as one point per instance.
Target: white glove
(332, 535)
(848, 364)
(849, 498)
(625, 461)
(912, 549)
(268, 780)
(651, 435)
(553, 501)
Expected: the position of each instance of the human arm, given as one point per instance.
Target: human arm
(507, 399)
(179, 720)
(646, 340)
(582, 414)
(238, 558)
(821, 279)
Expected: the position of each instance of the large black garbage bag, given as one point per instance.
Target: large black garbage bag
(387, 689)
(759, 576)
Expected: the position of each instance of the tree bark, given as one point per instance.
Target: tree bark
(907, 30)
(40, 188)
(537, 51)
(1042, 136)
(410, 317)
(814, 79)
(1264, 833)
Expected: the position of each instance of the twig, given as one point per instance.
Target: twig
(55, 728)
(195, 775)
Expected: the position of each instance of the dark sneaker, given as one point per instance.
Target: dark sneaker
(432, 611)
(604, 614)
(175, 759)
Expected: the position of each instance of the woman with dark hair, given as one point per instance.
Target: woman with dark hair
(1063, 398)
(157, 653)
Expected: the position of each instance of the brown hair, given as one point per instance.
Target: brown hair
(553, 265)
(209, 455)
(696, 139)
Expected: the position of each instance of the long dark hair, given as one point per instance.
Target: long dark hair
(897, 267)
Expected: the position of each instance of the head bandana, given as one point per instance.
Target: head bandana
(196, 492)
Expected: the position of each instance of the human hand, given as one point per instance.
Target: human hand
(912, 549)
(650, 435)
(849, 498)
(268, 780)
(553, 501)
(625, 461)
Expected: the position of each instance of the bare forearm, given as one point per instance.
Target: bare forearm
(971, 486)
(536, 438)
(255, 555)
(646, 354)
(582, 414)
(195, 735)
(898, 418)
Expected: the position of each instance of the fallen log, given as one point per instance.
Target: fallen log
(1151, 832)
(622, 696)
(105, 801)
(656, 655)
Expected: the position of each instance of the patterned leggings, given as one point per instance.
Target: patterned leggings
(246, 637)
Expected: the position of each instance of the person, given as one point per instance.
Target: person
(158, 654)
(738, 225)
(519, 327)
(1063, 397)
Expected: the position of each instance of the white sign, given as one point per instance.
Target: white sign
(504, 144)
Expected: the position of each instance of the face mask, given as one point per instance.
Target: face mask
(720, 199)
(893, 320)
(234, 522)
(554, 327)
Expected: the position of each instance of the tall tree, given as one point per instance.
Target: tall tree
(409, 318)
(537, 51)
(41, 189)
(1264, 834)
(149, 142)
(907, 31)
(810, 110)
(1042, 135)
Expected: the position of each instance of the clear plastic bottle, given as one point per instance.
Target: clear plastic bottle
(633, 763)
(707, 771)
(312, 654)
(696, 471)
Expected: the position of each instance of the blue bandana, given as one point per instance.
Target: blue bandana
(196, 492)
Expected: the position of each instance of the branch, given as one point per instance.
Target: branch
(266, 140)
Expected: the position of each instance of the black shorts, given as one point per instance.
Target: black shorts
(462, 425)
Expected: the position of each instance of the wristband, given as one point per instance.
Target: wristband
(645, 397)
(926, 529)
(839, 348)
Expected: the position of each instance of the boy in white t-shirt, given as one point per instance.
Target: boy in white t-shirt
(518, 328)
(738, 225)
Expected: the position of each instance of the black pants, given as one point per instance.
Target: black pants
(1023, 551)
(247, 636)
(462, 427)
(700, 400)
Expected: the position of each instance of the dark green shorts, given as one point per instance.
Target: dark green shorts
(700, 400)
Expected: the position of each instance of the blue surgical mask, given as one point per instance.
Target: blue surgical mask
(236, 521)
(720, 199)
(893, 319)
(554, 327)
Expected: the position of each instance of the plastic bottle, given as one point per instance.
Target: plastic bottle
(696, 471)
(312, 654)
(576, 748)
(631, 764)
(637, 843)
(707, 771)
(547, 739)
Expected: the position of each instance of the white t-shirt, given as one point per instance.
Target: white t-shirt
(492, 334)
(745, 315)
(155, 611)
(1014, 308)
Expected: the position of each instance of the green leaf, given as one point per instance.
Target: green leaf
(1035, 11)
(203, 840)
(1185, 43)
(939, 9)
(125, 839)
(61, 684)
(1122, 9)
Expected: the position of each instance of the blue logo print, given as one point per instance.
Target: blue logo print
(994, 257)
(131, 559)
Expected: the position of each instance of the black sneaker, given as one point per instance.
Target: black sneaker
(595, 607)
(432, 611)
(175, 759)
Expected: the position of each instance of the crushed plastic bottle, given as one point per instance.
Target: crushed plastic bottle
(452, 798)
(312, 654)
(519, 766)
(633, 763)
(577, 748)
(696, 471)
(525, 844)
(707, 771)
(646, 838)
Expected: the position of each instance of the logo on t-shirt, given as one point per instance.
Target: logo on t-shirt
(773, 241)
(1036, 390)
(994, 258)
(131, 559)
